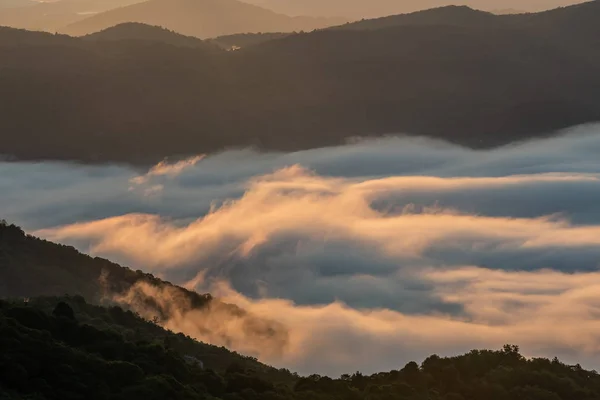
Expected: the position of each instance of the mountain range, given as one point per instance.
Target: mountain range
(84, 15)
(359, 9)
(454, 73)
(200, 18)
(135, 83)
(141, 32)
(53, 15)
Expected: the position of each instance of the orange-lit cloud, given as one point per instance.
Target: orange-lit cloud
(295, 202)
(285, 225)
(368, 255)
(169, 169)
(547, 313)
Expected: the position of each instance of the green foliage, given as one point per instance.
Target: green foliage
(49, 355)
(67, 347)
(34, 268)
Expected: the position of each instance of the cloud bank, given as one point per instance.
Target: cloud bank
(371, 254)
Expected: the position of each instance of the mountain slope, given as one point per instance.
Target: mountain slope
(66, 348)
(31, 267)
(450, 15)
(53, 15)
(243, 40)
(137, 31)
(62, 270)
(357, 9)
(199, 18)
(13, 38)
(478, 85)
(16, 3)
(62, 348)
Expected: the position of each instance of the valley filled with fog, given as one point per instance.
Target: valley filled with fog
(371, 254)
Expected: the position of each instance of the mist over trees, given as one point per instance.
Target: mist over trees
(57, 347)
(32, 267)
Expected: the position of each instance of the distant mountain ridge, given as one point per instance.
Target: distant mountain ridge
(457, 74)
(464, 16)
(139, 31)
(359, 9)
(448, 15)
(51, 16)
(148, 33)
(80, 351)
(507, 11)
(199, 18)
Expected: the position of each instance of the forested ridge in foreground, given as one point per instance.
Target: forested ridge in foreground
(138, 95)
(55, 344)
(31, 267)
(65, 348)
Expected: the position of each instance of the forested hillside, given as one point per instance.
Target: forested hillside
(199, 18)
(480, 85)
(31, 267)
(64, 348)
(52, 15)
(70, 347)
(147, 33)
(450, 15)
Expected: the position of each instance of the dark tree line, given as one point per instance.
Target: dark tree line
(65, 348)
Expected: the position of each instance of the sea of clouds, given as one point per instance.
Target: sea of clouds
(371, 254)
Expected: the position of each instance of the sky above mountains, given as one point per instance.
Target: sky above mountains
(372, 254)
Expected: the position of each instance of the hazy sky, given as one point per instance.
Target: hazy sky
(371, 255)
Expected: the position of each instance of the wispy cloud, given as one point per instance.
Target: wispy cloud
(369, 254)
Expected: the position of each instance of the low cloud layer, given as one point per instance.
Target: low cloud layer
(371, 254)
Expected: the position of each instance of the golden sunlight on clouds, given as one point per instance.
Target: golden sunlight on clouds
(166, 169)
(499, 307)
(297, 207)
(359, 257)
(293, 201)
